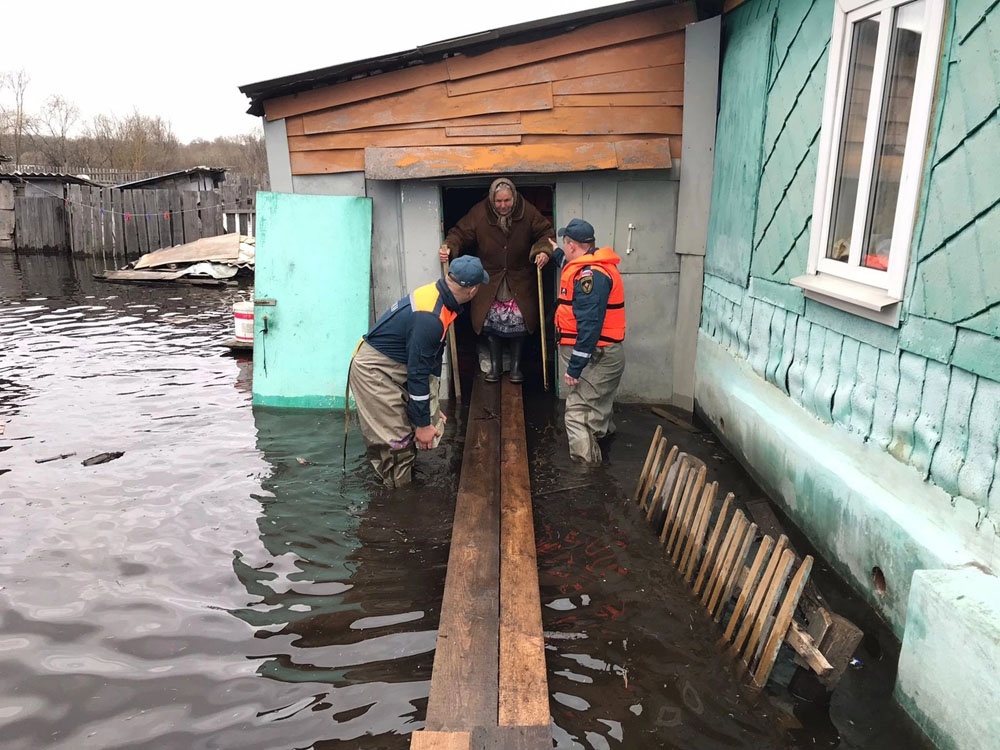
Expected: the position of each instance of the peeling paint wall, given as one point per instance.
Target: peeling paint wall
(927, 393)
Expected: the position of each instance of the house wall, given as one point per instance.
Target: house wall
(924, 397)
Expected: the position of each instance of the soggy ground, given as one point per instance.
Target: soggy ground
(224, 585)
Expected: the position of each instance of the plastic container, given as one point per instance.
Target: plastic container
(243, 317)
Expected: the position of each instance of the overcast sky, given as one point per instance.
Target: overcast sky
(184, 60)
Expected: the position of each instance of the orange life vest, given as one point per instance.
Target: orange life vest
(605, 261)
(427, 299)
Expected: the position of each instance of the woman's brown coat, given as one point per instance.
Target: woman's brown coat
(503, 256)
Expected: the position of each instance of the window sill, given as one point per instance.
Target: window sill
(850, 296)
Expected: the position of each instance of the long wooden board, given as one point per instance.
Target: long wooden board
(394, 138)
(598, 120)
(657, 78)
(524, 695)
(464, 690)
(622, 29)
(647, 54)
(427, 104)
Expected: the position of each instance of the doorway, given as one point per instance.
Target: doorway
(456, 201)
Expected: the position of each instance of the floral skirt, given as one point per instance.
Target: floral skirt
(505, 319)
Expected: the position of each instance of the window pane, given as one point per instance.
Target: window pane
(859, 85)
(892, 134)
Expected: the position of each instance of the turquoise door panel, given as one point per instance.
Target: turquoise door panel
(314, 264)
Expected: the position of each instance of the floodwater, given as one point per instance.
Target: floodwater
(223, 584)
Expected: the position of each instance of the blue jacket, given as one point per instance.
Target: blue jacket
(411, 332)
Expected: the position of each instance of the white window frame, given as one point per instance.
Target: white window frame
(851, 286)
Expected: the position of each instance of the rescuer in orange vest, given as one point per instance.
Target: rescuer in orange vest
(590, 328)
(395, 372)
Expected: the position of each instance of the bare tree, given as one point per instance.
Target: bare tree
(133, 142)
(18, 120)
(52, 132)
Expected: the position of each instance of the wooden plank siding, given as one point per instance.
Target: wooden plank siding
(607, 95)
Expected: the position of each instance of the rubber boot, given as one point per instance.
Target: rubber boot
(516, 376)
(496, 359)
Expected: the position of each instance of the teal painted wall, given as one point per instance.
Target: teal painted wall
(927, 393)
(314, 260)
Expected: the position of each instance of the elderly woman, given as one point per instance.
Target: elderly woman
(507, 232)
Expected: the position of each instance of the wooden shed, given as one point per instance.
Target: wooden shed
(592, 114)
(194, 178)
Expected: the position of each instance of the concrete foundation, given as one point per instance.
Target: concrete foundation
(947, 678)
(866, 511)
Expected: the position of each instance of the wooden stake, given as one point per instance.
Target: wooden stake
(781, 623)
(758, 596)
(453, 351)
(684, 473)
(648, 462)
(748, 585)
(684, 512)
(658, 488)
(653, 473)
(768, 604)
(721, 569)
(735, 569)
(693, 546)
(541, 328)
(706, 561)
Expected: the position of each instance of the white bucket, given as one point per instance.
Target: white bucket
(243, 317)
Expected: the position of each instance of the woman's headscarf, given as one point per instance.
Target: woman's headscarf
(503, 183)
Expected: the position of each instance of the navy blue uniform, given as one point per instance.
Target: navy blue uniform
(415, 338)
(588, 309)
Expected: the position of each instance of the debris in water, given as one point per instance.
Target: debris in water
(102, 458)
(54, 458)
(856, 663)
(302, 461)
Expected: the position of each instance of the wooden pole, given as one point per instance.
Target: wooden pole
(541, 328)
(453, 352)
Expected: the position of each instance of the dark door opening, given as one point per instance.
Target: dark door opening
(456, 201)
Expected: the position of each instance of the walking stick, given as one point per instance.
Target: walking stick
(541, 327)
(453, 352)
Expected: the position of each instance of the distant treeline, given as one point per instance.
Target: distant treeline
(56, 136)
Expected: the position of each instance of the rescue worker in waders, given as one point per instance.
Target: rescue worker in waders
(590, 329)
(395, 372)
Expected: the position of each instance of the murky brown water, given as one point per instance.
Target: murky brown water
(209, 589)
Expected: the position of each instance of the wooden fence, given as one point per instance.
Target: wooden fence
(125, 224)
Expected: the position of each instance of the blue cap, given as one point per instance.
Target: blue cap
(579, 230)
(467, 270)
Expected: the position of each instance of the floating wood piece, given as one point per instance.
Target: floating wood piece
(680, 529)
(695, 540)
(673, 419)
(706, 561)
(658, 487)
(838, 646)
(758, 597)
(806, 648)
(782, 619)
(429, 740)
(647, 464)
(749, 585)
(768, 604)
(720, 571)
(735, 569)
(51, 458)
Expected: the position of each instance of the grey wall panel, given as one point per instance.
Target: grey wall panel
(346, 183)
(692, 277)
(651, 310)
(279, 166)
(701, 92)
(388, 276)
(568, 202)
(421, 232)
(600, 202)
(651, 208)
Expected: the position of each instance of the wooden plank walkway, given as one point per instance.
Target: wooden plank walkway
(488, 685)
